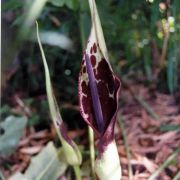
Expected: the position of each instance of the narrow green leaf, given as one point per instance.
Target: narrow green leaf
(170, 127)
(164, 164)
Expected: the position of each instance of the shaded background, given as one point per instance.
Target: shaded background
(142, 37)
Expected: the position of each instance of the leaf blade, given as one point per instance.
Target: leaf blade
(69, 146)
(13, 127)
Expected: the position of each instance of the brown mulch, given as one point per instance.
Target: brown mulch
(149, 145)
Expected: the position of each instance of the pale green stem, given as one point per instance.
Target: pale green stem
(77, 172)
(92, 151)
(121, 124)
(2, 176)
(164, 165)
(177, 176)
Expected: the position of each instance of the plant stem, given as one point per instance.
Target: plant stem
(177, 176)
(121, 124)
(77, 172)
(92, 152)
(2, 176)
(166, 39)
(164, 49)
(164, 165)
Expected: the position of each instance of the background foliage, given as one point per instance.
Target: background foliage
(143, 39)
(135, 33)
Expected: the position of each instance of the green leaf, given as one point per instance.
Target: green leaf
(34, 10)
(13, 128)
(72, 4)
(34, 119)
(4, 111)
(46, 165)
(57, 3)
(11, 5)
(54, 38)
(155, 15)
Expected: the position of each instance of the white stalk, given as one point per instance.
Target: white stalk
(108, 166)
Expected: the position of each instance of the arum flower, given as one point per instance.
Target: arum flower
(98, 96)
(71, 151)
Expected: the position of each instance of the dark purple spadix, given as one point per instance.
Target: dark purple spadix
(94, 93)
(98, 90)
(98, 86)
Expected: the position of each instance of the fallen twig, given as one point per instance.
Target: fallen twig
(121, 124)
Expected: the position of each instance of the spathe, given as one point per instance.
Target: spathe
(98, 89)
(98, 85)
(71, 151)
